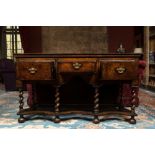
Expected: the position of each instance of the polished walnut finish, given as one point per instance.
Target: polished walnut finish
(119, 69)
(76, 65)
(34, 70)
(65, 84)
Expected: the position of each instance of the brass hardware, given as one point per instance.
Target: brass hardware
(77, 65)
(32, 70)
(120, 70)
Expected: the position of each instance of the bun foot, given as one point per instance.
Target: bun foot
(132, 121)
(21, 119)
(96, 120)
(57, 119)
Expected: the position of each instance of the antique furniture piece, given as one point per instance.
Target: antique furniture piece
(89, 85)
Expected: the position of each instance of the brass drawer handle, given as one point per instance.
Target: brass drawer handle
(120, 70)
(32, 70)
(77, 65)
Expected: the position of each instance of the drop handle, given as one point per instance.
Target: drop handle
(32, 70)
(77, 65)
(120, 70)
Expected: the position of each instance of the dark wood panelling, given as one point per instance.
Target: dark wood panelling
(31, 38)
(118, 35)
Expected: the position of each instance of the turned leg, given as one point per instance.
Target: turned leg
(21, 119)
(57, 105)
(134, 102)
(96, 106)
(132, 119)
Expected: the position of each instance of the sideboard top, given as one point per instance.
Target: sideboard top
(111, 55)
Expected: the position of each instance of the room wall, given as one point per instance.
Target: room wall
(32, 40)
(121, 34)
(74, 39)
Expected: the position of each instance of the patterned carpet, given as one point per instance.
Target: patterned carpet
(9, 107)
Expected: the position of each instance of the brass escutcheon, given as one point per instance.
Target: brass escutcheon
(32, 70)
(77, 65)
(120, 70)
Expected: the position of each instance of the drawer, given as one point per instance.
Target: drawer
(119, 69)
(34, 70)
(78, 66)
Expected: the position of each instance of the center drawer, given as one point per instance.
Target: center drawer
(34, 70)
(76, 66)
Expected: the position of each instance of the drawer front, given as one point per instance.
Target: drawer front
(34, 70)
(119, 69)
(76, 66)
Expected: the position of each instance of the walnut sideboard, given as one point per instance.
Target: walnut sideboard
(76, 85)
